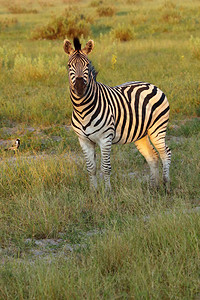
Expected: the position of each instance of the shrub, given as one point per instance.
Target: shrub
(63, 26)
(106, 11)
(123, 33)
(78, 28)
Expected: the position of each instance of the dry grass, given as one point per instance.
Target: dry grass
(96, 3)
(123, 33)
(135, 2)
(70, 1)
(138, 18)
(17, 9)
(7, 22)
(150, 245)
(68, 24)
(106, 11)
(195, 47)
(45, 4)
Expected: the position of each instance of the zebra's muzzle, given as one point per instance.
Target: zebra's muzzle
(80, 86)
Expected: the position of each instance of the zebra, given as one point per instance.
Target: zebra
(102, 115)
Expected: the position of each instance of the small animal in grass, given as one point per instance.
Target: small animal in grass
(14, 147)
(134, 111)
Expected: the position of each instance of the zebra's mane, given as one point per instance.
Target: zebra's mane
(77, 44)
(94, 72)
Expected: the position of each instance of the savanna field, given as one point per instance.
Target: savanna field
(58, 238)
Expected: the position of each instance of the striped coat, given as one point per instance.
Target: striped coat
(132, 112)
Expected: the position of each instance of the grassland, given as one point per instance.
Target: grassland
(132, 243)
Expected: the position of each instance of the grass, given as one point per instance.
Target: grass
(106, 11)
(144, 261)
(149, 242)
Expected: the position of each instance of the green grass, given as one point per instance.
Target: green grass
(147, 261)
(149, 242)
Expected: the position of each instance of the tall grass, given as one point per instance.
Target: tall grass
(7, 22)
(106, 11)
(149, 246)
(155, 258)
(42, 81)
(161, 52)
(53, 189)
(17, 9)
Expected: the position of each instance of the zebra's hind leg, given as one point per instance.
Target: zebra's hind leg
(158, 140)
(151, 156)
(89, 152)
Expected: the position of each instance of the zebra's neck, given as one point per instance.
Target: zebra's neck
(81, 104)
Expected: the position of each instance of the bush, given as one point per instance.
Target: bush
(106, 11)
(123, 33)
(63, 26)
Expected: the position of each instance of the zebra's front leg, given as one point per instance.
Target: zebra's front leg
(105, 147)
(88, 148)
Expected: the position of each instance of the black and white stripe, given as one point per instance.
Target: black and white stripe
(132, 112)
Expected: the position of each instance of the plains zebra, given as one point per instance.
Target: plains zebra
(132, 112)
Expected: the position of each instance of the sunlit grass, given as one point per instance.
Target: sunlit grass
(149, 246)
(164, 51)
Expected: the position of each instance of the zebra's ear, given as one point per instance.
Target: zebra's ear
(88, 47)
(68, 47)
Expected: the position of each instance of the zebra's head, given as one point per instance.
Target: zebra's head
(79, 66)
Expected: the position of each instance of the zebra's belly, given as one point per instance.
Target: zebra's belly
(123, 139)
(92, 134)
(131, 128)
